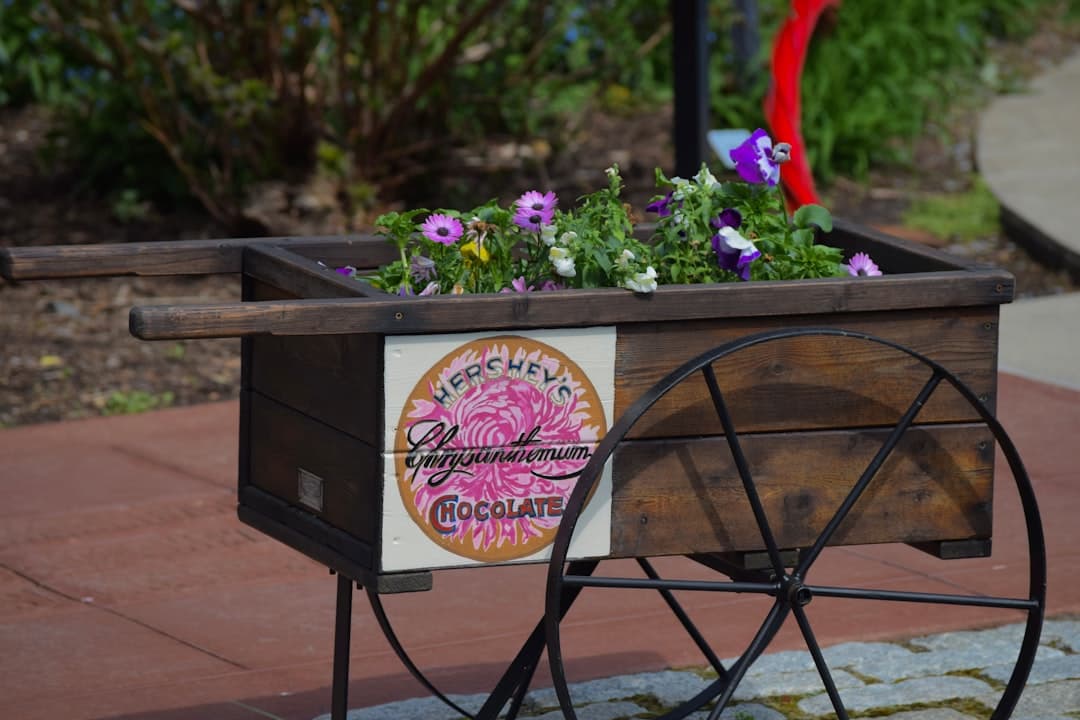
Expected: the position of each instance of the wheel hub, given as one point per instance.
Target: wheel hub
(798, 595)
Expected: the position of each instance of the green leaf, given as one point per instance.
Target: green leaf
(602, 260)
(810, 215)
(803, 236)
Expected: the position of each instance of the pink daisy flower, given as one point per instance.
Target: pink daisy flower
(442, 229)
(862, 265)
(535, 210)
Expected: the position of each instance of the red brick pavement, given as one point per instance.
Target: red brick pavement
(128, 588)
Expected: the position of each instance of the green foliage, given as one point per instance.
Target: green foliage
(207, 98)
(683, 242)
(31, 66)
(879, 78)
(962, 216)
(203, 99)
(127, 206)
(135, 401)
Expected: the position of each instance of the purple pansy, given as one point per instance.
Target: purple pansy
(862, 265)
(442, 229)
(734, 252)
(348, 271)
(662, 206)
(422, 268)
(534, 210)
(730, 217)
(754, 159)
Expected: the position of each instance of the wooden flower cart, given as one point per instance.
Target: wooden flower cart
(744, 426)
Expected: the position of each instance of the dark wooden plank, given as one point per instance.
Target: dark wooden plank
(576, 308)
(285, 442)
(685, 496)
(333, 378)
(896, 255)
(812, 382)
(307, 533)
(364, 252)
(299, 275)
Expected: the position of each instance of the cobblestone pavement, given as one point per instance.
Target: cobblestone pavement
(950, 676)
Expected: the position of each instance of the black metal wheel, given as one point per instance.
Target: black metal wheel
(788, 586)
(508, 694)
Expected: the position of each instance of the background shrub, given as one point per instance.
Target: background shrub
(169, 100)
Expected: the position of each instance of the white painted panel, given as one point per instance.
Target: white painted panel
(492, 424)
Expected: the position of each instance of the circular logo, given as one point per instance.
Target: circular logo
(490, 443)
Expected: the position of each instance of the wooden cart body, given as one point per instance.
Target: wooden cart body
(313, 344)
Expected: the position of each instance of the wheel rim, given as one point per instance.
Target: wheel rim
(792, 591)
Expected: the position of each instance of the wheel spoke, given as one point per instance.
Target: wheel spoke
(819, 661)
(920, 597)
(764, 634)
(882, 455)
(685, 620)
(744, 470)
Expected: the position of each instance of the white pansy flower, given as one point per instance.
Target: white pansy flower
(547, 234)
(734, 239)
(564, 264)
(642, 282)
(706, 179)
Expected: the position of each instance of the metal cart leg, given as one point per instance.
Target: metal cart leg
(339, 692)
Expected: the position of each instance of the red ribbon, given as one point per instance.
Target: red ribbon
(782, 103)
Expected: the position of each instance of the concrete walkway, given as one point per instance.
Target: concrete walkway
(1028, 154)
(1029, 157)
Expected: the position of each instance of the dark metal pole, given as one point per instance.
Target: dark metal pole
(689, 21)
(745, 42)
(339, 692)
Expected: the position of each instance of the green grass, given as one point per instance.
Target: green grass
(135, 401)
(961, 217)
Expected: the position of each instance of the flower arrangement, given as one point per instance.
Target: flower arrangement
(706, 231)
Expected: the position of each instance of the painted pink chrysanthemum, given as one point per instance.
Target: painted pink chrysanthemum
(862, 265)
(442, 229)
(534, 210)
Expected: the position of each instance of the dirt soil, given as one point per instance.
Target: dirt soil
(65, 351)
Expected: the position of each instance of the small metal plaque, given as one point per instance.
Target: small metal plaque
(310, 489)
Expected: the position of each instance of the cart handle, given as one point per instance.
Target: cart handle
(392, 315)
(389, 315)
(180, 257)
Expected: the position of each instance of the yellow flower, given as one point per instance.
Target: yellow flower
(473, 252)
